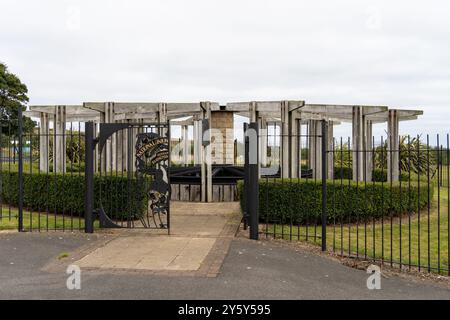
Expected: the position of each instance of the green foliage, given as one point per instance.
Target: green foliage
(13, 95)
(342, 156)
(65, 194)
(300, 201)
(378, 175)
(414, 155)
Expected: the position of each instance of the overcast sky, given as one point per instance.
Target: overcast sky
(394, 53)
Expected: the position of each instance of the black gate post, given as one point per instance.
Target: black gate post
(253, 175)
(20, 150)
(324, 183)
(89, 177)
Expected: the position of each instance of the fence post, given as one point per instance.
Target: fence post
(253, 175)
(89, 177)
(324, 183)
(20, 133)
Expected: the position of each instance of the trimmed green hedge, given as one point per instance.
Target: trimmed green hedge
(378, 175)
(65, 193)
(300, 201)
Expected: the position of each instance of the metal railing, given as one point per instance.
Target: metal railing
(371, 203)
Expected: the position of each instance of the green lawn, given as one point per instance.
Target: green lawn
(36, 221)
(407, 242)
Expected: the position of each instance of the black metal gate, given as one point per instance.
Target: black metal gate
(127, 176)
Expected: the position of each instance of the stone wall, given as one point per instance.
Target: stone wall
(222, 124)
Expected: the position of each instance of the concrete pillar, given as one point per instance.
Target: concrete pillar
(253, 117)
(300, 145)
(253, 114)
(263, 141)
(44, 141)
(185, 144)
(121, 149)
(124, 148)
(162, 118)
(294, 144)
(285, 139)
(315, 148)
(393, 152)
(97, 156)
(162, 115)
(368, 147)
(102, 153)
(110, 147)
(358, 144)
(59, 148)
(330, 155)
(206, 167)
(197, 142)
(311, 145)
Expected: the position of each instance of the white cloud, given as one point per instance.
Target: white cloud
(393, 53)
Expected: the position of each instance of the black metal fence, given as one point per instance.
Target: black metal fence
(43, 178)
(41, 185)
(9, 143)
(378, 201)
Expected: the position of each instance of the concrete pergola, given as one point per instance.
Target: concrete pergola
(289, 115)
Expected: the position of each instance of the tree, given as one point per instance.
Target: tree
(13, 95)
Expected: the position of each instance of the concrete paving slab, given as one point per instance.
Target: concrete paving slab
(195, 228)
(150, 253)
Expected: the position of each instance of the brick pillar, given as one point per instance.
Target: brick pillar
(222, 127)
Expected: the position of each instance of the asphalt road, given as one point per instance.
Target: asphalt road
(250, 271)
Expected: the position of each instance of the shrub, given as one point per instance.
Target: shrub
(65, 193)
(378, 175)
(300, 201)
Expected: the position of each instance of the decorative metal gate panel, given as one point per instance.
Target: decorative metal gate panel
(132, 180)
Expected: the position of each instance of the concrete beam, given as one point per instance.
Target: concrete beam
(81, 118)
(402, 115)
(50, 109)
(32, 114)
(97, 106)
(136, 116)
(340, 109)
(135, 107)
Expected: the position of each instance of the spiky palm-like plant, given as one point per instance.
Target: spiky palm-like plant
(415, 156)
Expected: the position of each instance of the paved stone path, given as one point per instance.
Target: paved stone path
(251, 270)
(193, 246)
